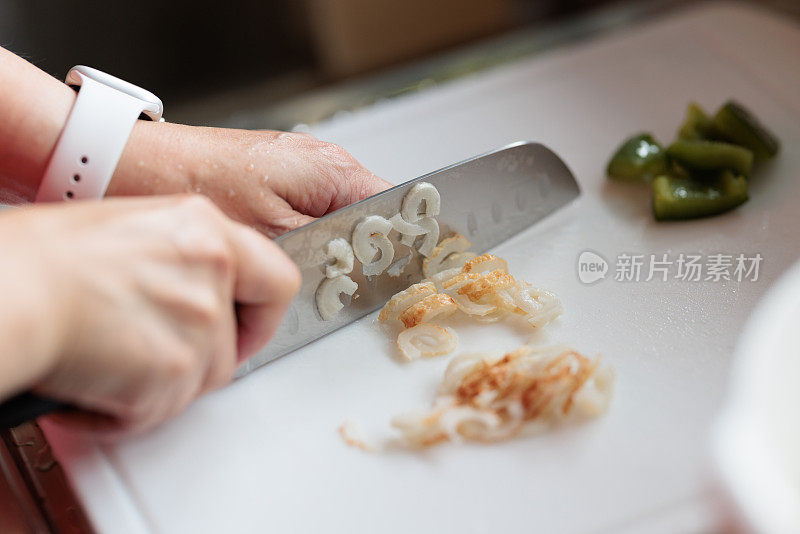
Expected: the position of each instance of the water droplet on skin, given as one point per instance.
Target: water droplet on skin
(180, 166)
(266, 178)
(231, 193)
(251, 167)
(140, 163)
(196, 189)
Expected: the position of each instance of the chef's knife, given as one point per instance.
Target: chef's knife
(487, 199)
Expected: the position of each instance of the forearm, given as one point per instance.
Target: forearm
(33, 109)
(30, 327)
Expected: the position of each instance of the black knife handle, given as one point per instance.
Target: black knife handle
(27, 406)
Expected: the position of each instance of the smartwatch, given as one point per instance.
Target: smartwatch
(98, 127)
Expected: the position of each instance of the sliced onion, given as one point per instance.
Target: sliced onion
(425, 340)
(328, 302)
(432, 306)
(371, 246)
(464, 304)
(397, 268)
(421, 193)
(539, 306)
(408, 230)
(340, 253)
(441, 277)
(449, 245)
(431, 227)
(486, 284)
(485, 263)
(406, 298)
(457, 260)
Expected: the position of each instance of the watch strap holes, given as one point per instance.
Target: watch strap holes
(68, 195)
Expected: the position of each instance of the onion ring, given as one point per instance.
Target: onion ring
(485, 263)
(341, 253)
(487, 284)
(437, 305)
(449, 245)
(371, 246)
(539, 306)
(408, 231)
(441, 277)
(328, 302)
(431, 227)
(426, 340)
(422, 192)
(406, 298)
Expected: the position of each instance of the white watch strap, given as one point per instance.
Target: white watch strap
(89, 148)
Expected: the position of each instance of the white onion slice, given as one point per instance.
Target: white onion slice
(340, 253)
(371, 246)
(427, 309)
(463, 302)
(457, 260)
(485, 263)
(397, 268)
(422, 192)
(539, 306)
(431, 227)
(426, 340)
(449, 245)
(408, 297)
(441, 277)
(409, 231)
(328, 302)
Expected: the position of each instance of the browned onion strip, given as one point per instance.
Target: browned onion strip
(427, 309)
(485, 398)
(449, 245)
(406, 298)
(485, 263)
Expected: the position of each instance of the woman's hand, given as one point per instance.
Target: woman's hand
(271, 181)
(132, 308)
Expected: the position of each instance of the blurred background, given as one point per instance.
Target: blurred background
(277, 63)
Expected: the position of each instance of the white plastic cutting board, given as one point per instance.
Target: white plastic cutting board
(263, 455)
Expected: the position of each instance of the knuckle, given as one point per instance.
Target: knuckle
(178, 365)
(201, 206)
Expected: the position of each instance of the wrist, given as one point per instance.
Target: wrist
(33, 111)
(33, 325)
(152, 162)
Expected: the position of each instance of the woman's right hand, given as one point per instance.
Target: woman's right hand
(150, 302)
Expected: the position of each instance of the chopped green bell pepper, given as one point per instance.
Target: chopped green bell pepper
(735, 123)
(706, 156)
(640, 158)
(696, 125)
(682, 198)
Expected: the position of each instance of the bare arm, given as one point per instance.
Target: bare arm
(272, 181)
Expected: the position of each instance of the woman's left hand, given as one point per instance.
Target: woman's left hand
(271, 181)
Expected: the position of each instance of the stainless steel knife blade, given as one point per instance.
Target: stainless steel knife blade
(487, 199)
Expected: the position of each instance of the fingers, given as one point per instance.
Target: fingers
(266, 282)
(325, 178)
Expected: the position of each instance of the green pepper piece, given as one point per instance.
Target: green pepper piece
(711, 156)
(638, 159)
(697, 124)
(736, 124)
(683, 198)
